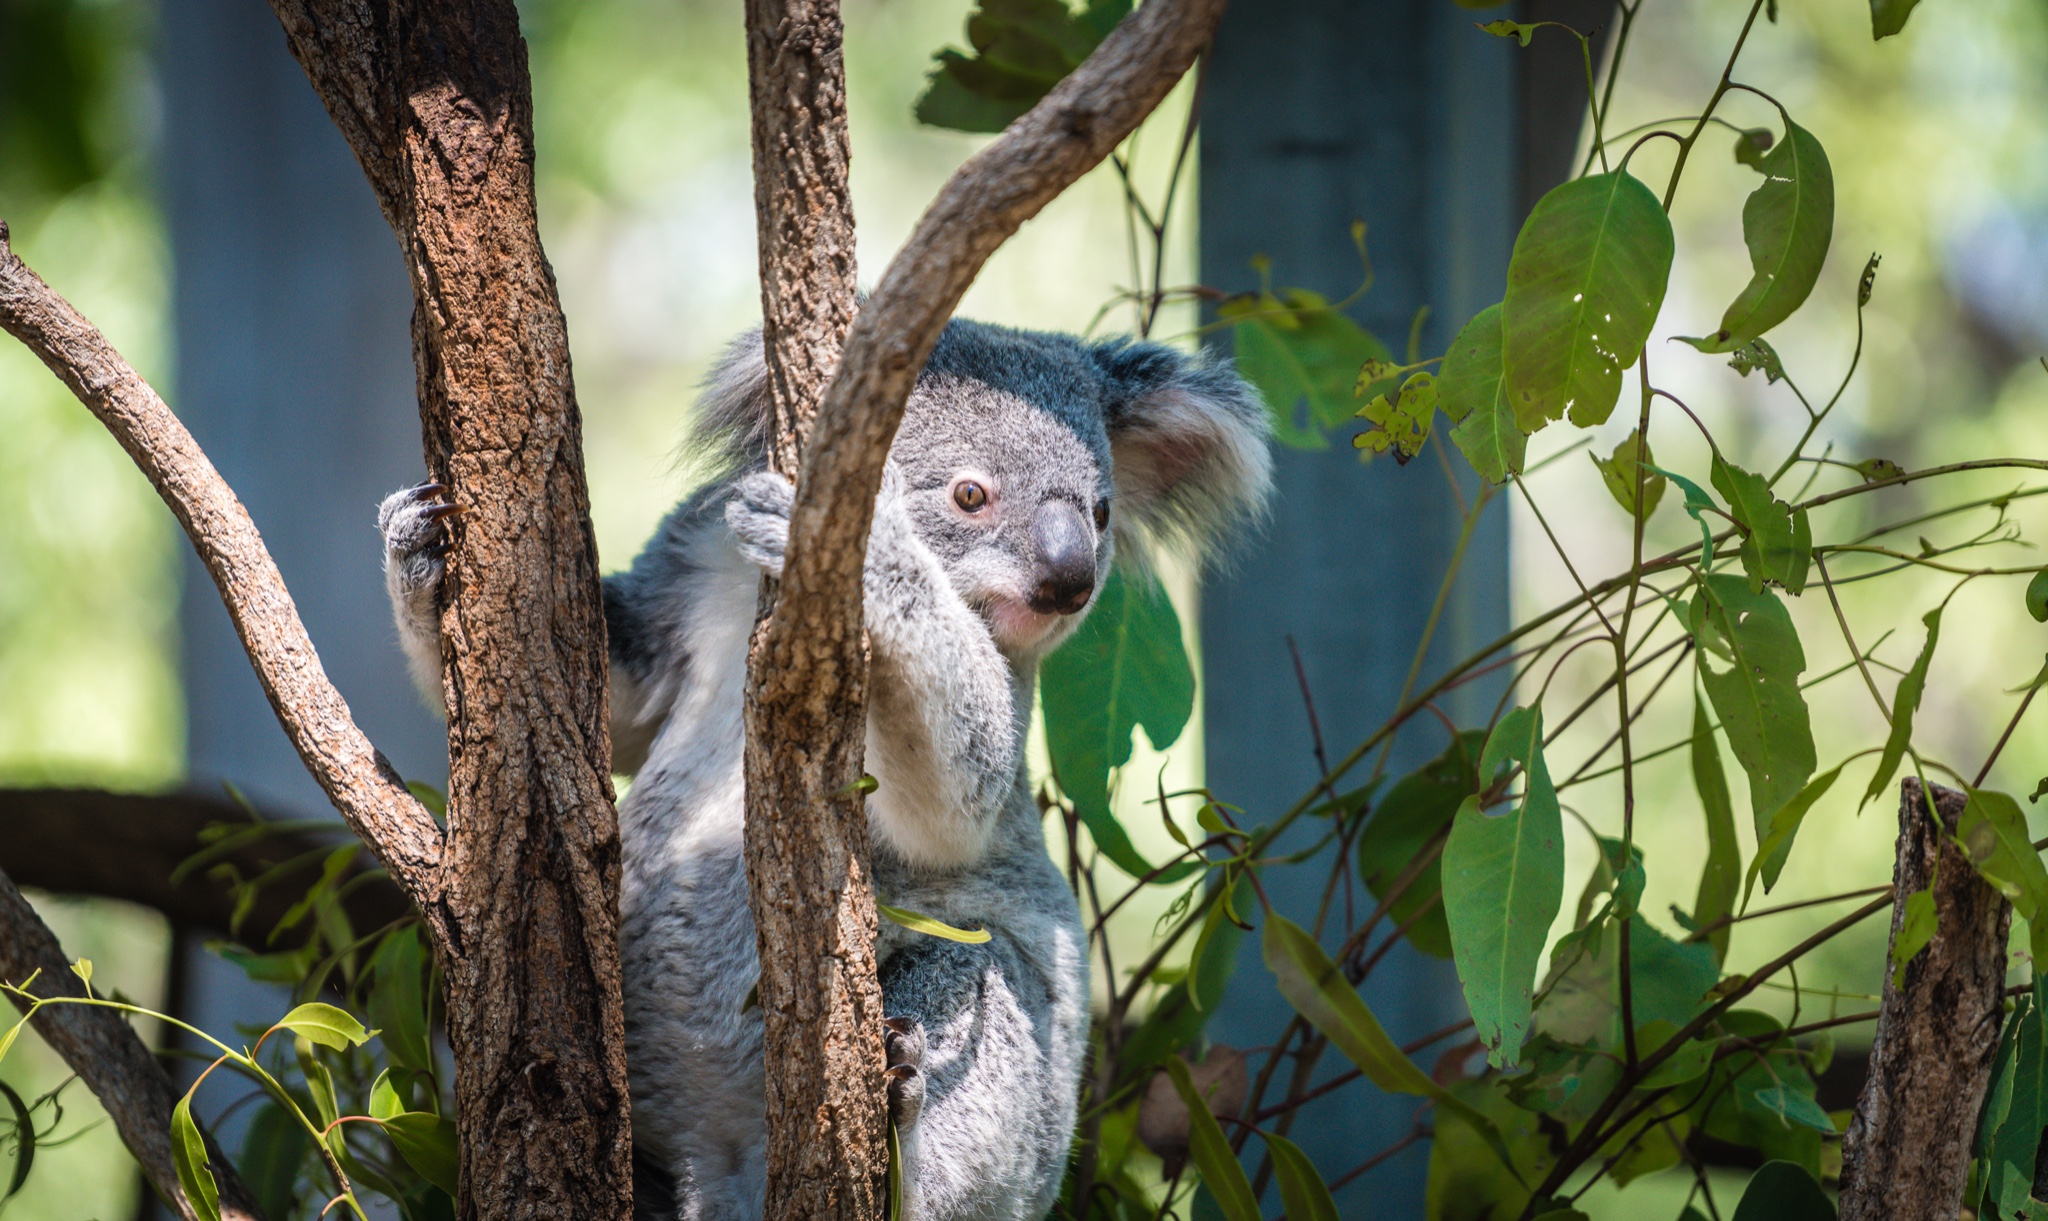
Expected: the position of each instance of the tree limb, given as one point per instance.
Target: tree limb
(107, 1054)
(362, 785)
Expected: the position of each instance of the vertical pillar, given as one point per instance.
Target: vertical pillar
(1400, 113)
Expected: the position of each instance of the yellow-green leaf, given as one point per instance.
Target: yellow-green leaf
(326, 1025)
(1787, 224)
(1302, 1190)
(427, 1143)
(919, 923)
(188, 1153)
(1777, 841)
(1721, 875)
(1210, 1151)
(1758, 698)
(1619, 474)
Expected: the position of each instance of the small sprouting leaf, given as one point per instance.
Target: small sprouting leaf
(1757, 354)
(1697, 505)
(1296, 349)
(1585, 282)
(83, 970)
(1888, 17)
(1372, 372)
(1619, 474)
(1472, 391)
(1757, 697)
(1916, 929)
(1126, 667)
(326, 1025)
(1787, 224)
(1776, 843)
(1404, 424)
(1518, 30)
(1904, 704)
(427, 1143)
(1503, 879)
(188, 1153)
(1302, 1190)
(7, 1039)
(1751, 143)
(919, 923)
(1874, 469)
(1784, 1191)
(2037, 596)
(1721, 875)
(1210, 1150)
(1777, 545)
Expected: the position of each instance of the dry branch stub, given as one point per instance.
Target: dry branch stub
(1907, 1151)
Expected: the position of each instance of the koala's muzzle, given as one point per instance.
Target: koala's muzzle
(1065, 560)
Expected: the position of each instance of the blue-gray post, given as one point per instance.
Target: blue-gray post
(1400, 113)
(294, 371)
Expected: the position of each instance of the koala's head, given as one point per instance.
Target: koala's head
(1029, 459)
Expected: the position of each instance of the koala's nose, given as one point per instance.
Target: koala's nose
(1066, 559)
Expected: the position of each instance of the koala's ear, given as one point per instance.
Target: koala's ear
(734, 416)
(1188, 443)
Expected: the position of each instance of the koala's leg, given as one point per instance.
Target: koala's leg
(947, 714)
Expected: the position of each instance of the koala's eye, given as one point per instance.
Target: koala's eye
(1102, 514)
(970, 496)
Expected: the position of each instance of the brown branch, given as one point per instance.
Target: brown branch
(127, 845)
(107, 1054)
(369, 794)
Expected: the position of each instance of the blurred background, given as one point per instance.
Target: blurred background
(125, 129)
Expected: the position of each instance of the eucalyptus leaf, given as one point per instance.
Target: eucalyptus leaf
(1993, 831)
(274, 1150)
(1757, 697)
(1888, 17)
(1302, 1190)
(1698, 503)
(1585, 282)
(24, 1142)
(1472, 391)
(1776, 843)
(1777, 545)
(326, 1025)
(1416, 810)
(917, 922)
(398, 1001)
(1022, 48)
(1301, 353)
(1503, 879)
(1905, 703)
(1721, 874)
(1787, 224)
(1619, 474)
(1210, 1150)
(188, 1155)
(1783, 1191)
(2037, 596)
(427, 1143)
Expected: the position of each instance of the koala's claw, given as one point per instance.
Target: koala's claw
(903, 1040)
(414, 523)
(758, 514)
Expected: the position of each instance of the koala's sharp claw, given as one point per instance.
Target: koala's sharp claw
(435, 551)
(901, 1025)
(429, 488)
(900, 1072)
(450, 509)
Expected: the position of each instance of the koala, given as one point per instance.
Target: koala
(1024, 464)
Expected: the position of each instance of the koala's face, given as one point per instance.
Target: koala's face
(1015, 501)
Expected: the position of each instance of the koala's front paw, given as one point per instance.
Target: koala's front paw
(414, 523)
(904, 1040)
(759, 516)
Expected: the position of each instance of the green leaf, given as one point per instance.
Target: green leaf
(1755, 355)
(1751, 143)
(1721, 875)
(1776, 843)
(2037, 596)
(1503, 879)
(1916, 929)
(1789, 1106)
(24, 1133)
(1522, 32)
(1468, 1181)
(1404, 424)
(918, 923)
(1302, 1190)
(282, 967)
(1993, 831)
(1688, 1063)
(1585, 282)
(427, 1143)
(1782, 1191)
(384, 1099)
(1210, 1150)
(1775, 547)
(1888, 17)
(1697, 504)
(1413, 812)
(1787, 224)
(325, 1025)
(1905, 702)
(434, 799)
(1757, 697)
(398, 1001)
(188, 1153)
(1619, 474)
(1299, 350)
(1126, 667)
(1472, 391)
(276, 1147)
(2016, 1142)
(1022, 49)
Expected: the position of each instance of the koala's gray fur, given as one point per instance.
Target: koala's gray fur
(989, 1060)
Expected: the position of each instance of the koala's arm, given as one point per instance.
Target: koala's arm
(946, 713)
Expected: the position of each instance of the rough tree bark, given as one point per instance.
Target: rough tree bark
(110, 1058)
(1907, 1151)
(809, 872)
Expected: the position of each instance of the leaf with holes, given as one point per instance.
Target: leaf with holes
(1777, 543)
(1301, 354)
(1022, 48)
(1585, 282)
(1757, 697)
(1619, 474)
(1472, 391)
(1787, 224)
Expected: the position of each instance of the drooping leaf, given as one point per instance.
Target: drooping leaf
(1776, 843)
(1905, 702)
(24, 1142)
(427, 1143)
(1787, 224)
(917, 922)
(1472, 391)
(398, 1002)
(1126, 667)
(188, 1154)
(1778, 544)
(1916, 928)
(1210, 1150)
(1022, 48)
(1503, 879)
(272, 1153)
(1721, 875)
(1520, 31)
(1782, 1191)
(1698, 503)
(1757, 697)
(1404, 423)
(1619, 474)
(1297, 350)
(1888, 17)
(1412, 813)
(1468, 1181)
(1585, 282)
(1746, 1100)
(1993, 830)
(2015, 1110)
(326, 1025)
(2037, 596)
(1302, 1190)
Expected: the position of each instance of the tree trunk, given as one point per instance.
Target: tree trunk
(436, 103)
(1907, 1152)
(808, 873)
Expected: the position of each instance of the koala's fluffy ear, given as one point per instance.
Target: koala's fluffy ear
(734, 416)
(1188, 441)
